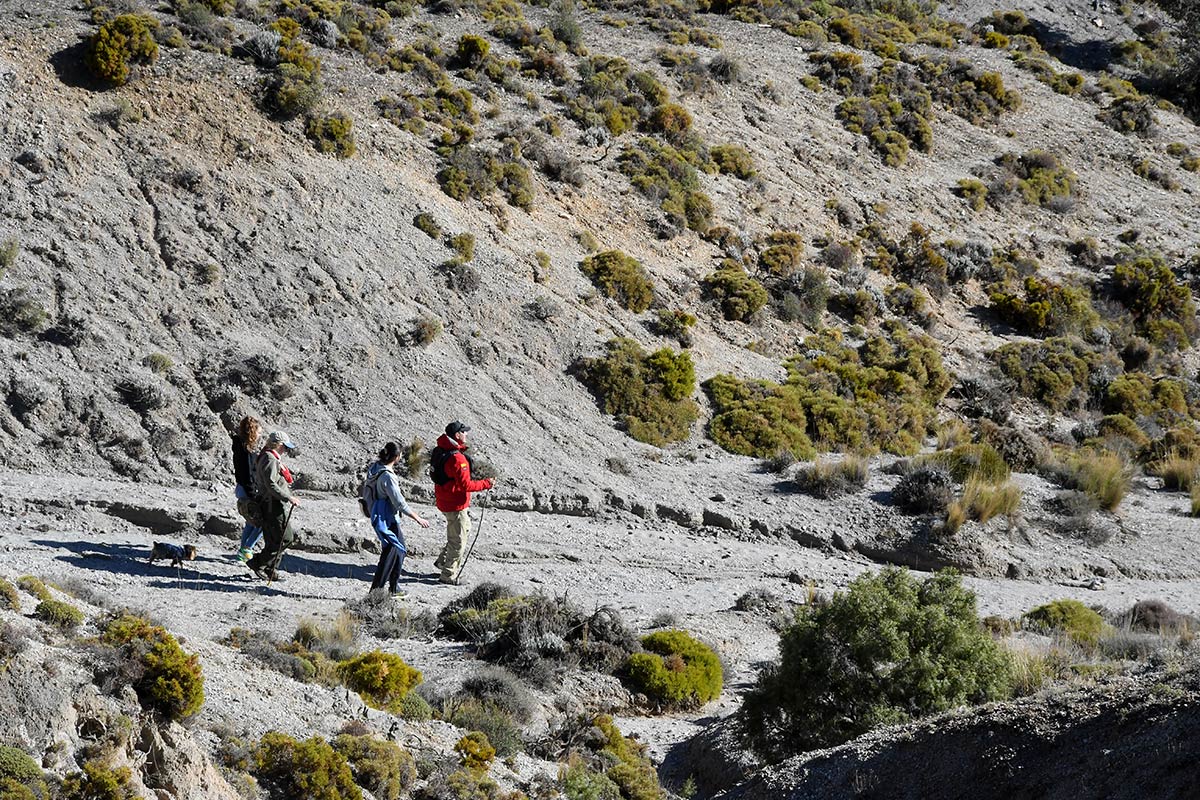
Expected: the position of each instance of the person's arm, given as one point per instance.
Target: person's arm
(391, 490)
(460, 476)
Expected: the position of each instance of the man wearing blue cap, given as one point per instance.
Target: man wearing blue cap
(276, 502)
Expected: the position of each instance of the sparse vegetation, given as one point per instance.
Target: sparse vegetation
(34, 586)
(828, 478)
(287, 768)
(739, 295)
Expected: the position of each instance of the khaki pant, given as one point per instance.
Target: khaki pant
(458, 530)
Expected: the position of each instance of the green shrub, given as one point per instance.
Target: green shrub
(628, 766)
(621, 277)
(34, 586)
(674, 324)
(464, 245)
(171, 681)
(9, 598)
(1144, 283)
(1055, 371)
(650, 394)
(475, 751)
(1131, 113)
(122, 41)
(858, 307)
(1041, 179)
(381, 679)
(17, 765)
(974, 192)
(667, 174)
(471, 50)
(1045, 308)
(414, 707)
(969, 461)
(332, 134)
(580, 782)
(676, 672)
(733, 159)
(886, 650)
(289, 769)
(20, 313)
(99, 782)
(915, 259)
(380, 767)
(63, 616)
(1071, 617)
(490, 719)
(1178, 472)
(881, 395)
(739, 295)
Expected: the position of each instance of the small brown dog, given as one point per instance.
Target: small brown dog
(174, 552)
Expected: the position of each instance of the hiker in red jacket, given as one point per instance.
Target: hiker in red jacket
(450, 468)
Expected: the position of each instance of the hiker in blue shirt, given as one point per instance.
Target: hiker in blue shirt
(386, 505)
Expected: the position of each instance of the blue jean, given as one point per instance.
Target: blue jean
(251, 534)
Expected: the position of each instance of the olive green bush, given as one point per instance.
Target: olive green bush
(621, 277)
(1056, 372)
(888, 649)
(1069, 617)
(332, 134)
(626, 762)
(63, 616)
(381, 679)
(9, 598)
(739, 295)
(733, 159)
(914, 259)
(34, 586)
(974, 192)
(967, 461)
(20, 775)
(20, 313)
(171, 681)
(881, 395)
(1039, 177)
(98, 781)
(1162, 305)
(124, 40)
(288, 769)
(382, 768)
(650, 394)
(674, 324)
(667, 173)
(1045, 308)
(1130, 113)
(676, 671)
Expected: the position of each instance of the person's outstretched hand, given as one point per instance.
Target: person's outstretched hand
(293, 501)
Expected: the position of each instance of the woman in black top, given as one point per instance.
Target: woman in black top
(245, 447)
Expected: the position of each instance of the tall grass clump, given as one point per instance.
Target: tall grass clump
(1103, 475)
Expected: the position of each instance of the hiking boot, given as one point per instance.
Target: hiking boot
(449, 581)
(397, 594)
(258, 573)
(275, 577)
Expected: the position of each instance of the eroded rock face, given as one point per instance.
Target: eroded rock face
(1128, 739)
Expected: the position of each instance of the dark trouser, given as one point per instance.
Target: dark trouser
(277, 532)
(391, 561)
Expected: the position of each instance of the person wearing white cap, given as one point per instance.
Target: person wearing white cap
(274, 497)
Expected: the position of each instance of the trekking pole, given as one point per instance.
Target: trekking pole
(471, 549)
(282, 535)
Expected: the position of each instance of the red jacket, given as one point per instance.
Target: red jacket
(456, 495)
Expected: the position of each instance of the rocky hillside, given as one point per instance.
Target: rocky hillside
(741, 299)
